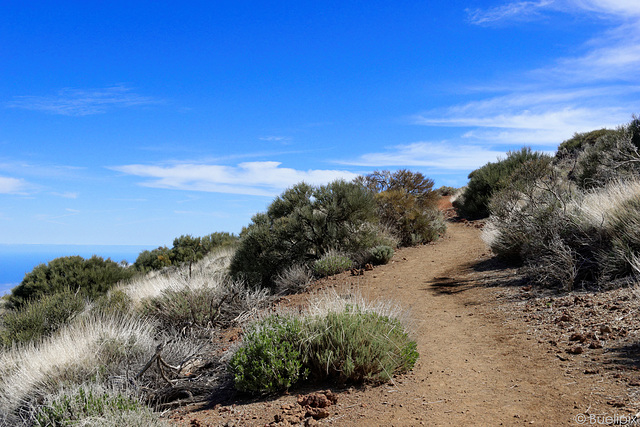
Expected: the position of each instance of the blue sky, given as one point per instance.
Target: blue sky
(136, 122)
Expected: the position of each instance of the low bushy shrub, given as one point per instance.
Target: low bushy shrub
(355, 345)
(269, 359)
(293, 280)
(407, 205)
(331, 263)
(115, 302)
(91, 278)
(92, 404)
(337, 341)
(381, 254)
(201, 306)
(300, 226)
(40, 318)
(491, 178)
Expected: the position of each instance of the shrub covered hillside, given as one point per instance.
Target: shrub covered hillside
(573, 220)
(93, 342)
(305, 224)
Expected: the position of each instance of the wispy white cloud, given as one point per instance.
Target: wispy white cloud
(275, 138)
(535, 123)
(82, 102)
(597, 88)
(55, 219)
(66, 195)
(440, 156)
(249, 178)
(520, 10)
(10, 185)
(535, 9)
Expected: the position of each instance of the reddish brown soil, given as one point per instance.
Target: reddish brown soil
(493, 351)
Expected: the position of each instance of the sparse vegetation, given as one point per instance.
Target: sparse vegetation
(124, 340)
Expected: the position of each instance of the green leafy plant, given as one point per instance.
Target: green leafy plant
(349, 344)
(91, 277)
(331, 263)
(40, 318)
(269, 359)
(302, 225)
(93, 404)
(490, 179)
(381, 254)
(355, 345)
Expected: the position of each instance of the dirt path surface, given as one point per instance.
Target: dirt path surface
(480, 364)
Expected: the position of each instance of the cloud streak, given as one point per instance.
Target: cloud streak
(82, 102)
(249, 178)
(545, 106)
(10, 185)
(439, 156)
(521, 10)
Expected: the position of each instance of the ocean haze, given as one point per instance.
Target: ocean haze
(18, 260)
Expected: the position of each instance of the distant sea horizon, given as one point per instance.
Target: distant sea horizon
(16, 260)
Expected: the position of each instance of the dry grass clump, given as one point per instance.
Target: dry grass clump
(293, 280)
(212, 269)
(95, 345)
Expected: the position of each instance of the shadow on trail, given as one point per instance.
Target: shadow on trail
(491, 272)
(626, 356)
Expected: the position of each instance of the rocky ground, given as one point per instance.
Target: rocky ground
(493, 351)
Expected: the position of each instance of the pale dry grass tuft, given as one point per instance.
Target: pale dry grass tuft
(598, 207)
(208, 272)
(82, 349)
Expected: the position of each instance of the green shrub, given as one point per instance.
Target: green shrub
(40, 318)
(613, 156)
(491, 178)
(381, 254)
(407, 204)
(91, 277)
(331, 263)
(185, 249)
(300, 226)
(156, 259)
(116, 301)
(446, 190)
(350, 344)
(269, 359)
(185, 308)
(576, 144)
(354, 345)
(93, 405)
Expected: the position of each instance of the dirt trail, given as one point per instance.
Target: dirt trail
(475, 367)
